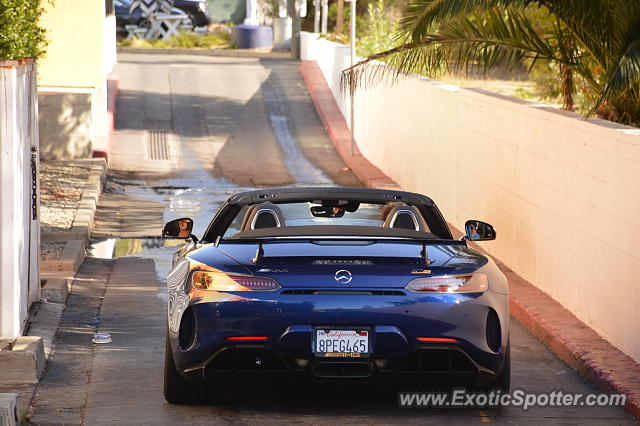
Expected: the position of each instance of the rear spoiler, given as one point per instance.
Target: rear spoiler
(423, 242)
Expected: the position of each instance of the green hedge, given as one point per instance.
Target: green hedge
(20, 33)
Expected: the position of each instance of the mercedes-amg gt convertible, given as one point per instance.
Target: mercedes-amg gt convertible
(333, 285)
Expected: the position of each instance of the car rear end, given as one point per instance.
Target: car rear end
(365, 317)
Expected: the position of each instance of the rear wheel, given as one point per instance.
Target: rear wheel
(177, 390)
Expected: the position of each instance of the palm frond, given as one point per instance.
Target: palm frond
(602, 27)
(373, 72)
(496, 38)
(421, 15)
(624, 76)
(599, 40)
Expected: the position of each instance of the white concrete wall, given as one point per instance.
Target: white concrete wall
(332, 58)
(19, 230)
(110, 48)
(561, 191)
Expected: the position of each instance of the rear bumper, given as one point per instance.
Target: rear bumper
(289, 323)
(261, 365)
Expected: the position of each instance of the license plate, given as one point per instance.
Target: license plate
(341, 343)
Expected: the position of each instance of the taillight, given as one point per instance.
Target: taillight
(437, 339)
(472, 283)
(257, 283)
(247, 338)
(219, 281)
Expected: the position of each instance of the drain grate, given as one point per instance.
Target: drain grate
(158, 145)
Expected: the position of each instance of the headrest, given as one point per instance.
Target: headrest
(263, 215)
(406, 217)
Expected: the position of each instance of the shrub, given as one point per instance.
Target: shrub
(378, 30)
(21, 35)
(184, 40)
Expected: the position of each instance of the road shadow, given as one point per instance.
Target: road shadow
(248, 151)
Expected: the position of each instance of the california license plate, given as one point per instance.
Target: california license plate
(341, 343)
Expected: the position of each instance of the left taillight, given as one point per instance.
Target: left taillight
(219, 281)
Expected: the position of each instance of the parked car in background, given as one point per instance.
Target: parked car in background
(198, 11)
(125, 17)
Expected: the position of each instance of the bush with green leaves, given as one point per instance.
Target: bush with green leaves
(375, 28)
(378, 30)
(21, 35)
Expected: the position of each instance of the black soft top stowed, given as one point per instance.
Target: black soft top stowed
(333, 231)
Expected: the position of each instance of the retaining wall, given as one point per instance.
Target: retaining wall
(561, 191)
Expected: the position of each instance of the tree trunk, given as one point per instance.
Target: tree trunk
(340, 17)
(566, 82)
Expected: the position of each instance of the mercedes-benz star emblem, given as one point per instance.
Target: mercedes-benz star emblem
(343, 276)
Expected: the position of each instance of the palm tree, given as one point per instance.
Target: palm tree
(599, 40)
(340, 17)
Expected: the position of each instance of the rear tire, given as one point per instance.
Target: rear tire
(177, 390)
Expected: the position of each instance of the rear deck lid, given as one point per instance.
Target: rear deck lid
(350, 263)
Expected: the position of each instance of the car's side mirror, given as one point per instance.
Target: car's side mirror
(477, 230)
(178, 228)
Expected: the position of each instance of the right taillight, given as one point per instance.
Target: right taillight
(471, 283)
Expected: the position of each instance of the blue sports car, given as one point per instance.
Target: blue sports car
(333, 285)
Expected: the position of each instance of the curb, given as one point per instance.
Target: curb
(44, 322)
(8, 409)
(22, 360)
(58, 274)
(232, 53)
(81, 227)
(69, 261)
(608, 368)
(55, 290)
(65, 267)
(90, 196)
(570, 339)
